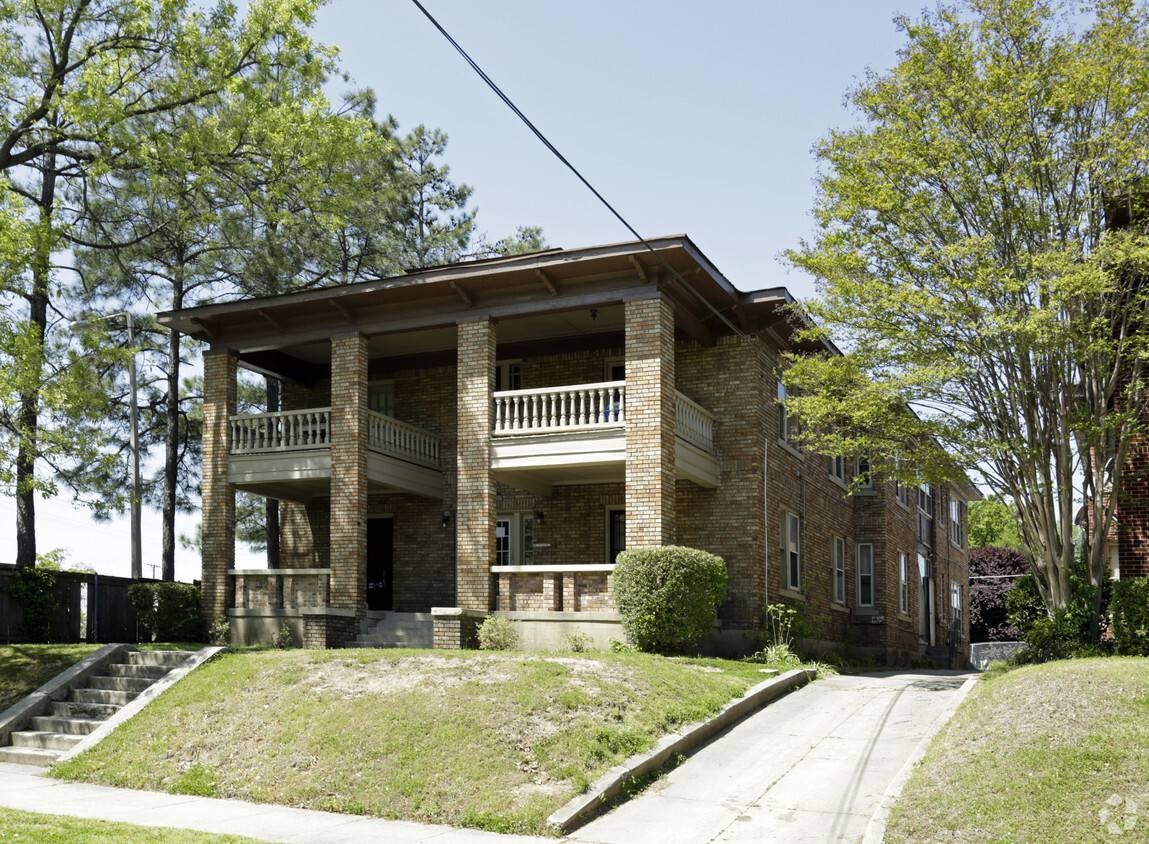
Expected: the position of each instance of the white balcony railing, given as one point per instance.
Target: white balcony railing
(407, 442)
(292, 430)
(575, 407)
(297, 430)
(693, 422)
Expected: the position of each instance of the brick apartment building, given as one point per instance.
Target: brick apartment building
(487, 436)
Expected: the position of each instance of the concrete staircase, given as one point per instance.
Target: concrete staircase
(85, 709)
(396, 630)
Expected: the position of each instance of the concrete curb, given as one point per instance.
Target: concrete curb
(20, 715)
(585, 806)
(876, 828)
(143, 699)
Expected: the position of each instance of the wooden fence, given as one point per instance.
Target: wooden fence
(89, 608)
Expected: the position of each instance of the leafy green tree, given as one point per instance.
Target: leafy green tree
(979, 253)
(993, 522)
(83, 80)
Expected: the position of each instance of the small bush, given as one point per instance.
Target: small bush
(668, 596)
(220, 631)
(618, 647)
(285, 638)
(1130, 607)
(169, 612)
(498, 634)
(779, 654)
(578, 642)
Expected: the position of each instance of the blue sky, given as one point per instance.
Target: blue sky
(689, 117)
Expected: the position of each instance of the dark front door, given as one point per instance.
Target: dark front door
(380, 585)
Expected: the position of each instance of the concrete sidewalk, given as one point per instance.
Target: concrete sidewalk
(812, 766)
(22, 787)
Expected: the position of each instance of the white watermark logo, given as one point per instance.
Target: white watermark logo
(1119, 814)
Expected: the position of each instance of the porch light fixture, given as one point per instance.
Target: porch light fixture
(540, 517)
(446, 520)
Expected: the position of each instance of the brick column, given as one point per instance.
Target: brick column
(475, 496)
(348, 529)
(650, 473)
(218, 496)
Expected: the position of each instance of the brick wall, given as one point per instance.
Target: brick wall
(348, 532)
(217, 495)
(475, 498)
(650, 482)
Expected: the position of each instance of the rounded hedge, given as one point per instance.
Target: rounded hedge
(668, 595)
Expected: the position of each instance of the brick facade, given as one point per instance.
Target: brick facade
(475, 503)
(217, 495)
(650, 481)
(348, 531)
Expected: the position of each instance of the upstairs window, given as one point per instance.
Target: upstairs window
(790, 542)
(863, 474)
(838, 468)
(838, 560)
(865, 554)
(508, 375)
(903, 584)
(787, 423)
(381, 397)
(955, 522)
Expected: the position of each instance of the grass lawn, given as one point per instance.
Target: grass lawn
(490, 740)
(24, 668)
(1052, 753)
(49, 829)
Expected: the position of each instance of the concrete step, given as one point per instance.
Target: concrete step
(376, 615)
(151, 672)
(29, 756)
(73, 726)
(45, 741)
(78, 709)
(169, 658)
(121, 684)
(102, 696)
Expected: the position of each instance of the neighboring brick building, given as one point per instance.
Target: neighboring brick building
(485, 437)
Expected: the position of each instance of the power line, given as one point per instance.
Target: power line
(554, 150)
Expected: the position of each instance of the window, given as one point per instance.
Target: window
(381, 397)
(515, 539)
(614, 369)
(956, 598)
(838, 560)
(865, 556)
(508, 375)
(865, 478)
(615, 533)
(903, 584)
(838, 468)
(926, 515)
(955, 522)
(787, 423)
(901, 491)
(790, 542)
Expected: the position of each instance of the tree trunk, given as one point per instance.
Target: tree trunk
(30, 401)
(271, 519)
(171, 450)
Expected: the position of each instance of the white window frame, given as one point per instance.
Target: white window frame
(787, 425)
(610, 511)
(904, 583)
(863, 469)
(861, 551)
(838, 468)
(955, 522)
(520, 546)
(956, 604)
(506, 371)
(381, 397)
(838, 569)
(790, 545)
(610, 363)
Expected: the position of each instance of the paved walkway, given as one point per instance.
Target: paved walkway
(812, 766)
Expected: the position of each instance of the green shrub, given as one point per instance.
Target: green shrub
(220, 631)
(498, 634)
(33, 588)
(1130, 608)
(578, 642)
(169, 612)
(668, 596)
(285, 638)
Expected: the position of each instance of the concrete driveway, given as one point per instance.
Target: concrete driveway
(812, 766)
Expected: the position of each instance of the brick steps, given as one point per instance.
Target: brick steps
(397, 630)
(87, 708)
